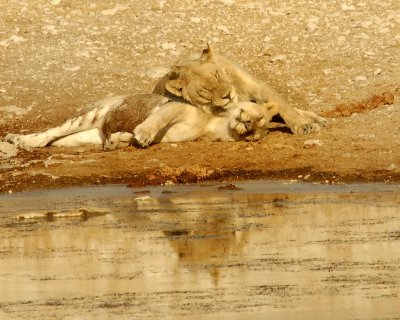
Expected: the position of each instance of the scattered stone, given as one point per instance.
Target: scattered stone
(392, 166)
(18, 111)
(313, 143)
(114, 11)
(347, 7)
(71, 68)
(366, 136)
(195, 19)
(7, 150)
(82, 54)
(168, 46)
(279, 57)
(360, 79)
(157, 72)
(377, 71)
(12, 39)
(228, 2)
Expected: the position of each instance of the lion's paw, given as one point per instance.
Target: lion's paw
(19, 140)
(307, 128)
(240, 128)
(143, 136)
(308, 122)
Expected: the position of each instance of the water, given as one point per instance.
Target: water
(268, 251)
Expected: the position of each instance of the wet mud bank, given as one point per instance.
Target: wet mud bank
(253, 249)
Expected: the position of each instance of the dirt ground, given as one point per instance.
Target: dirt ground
(58, 56)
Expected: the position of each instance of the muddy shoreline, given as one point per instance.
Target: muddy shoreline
(43, 182)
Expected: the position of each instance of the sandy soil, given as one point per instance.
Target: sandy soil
(58, 56)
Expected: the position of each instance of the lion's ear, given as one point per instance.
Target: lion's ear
(208, 53)
(175, 87)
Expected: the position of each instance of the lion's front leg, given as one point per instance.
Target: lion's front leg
(301, 121)
(145, 133)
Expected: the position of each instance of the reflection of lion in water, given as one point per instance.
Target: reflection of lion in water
(206, 97)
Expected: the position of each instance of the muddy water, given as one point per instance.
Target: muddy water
(268, 251)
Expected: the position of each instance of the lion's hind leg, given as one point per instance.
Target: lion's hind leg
(91, 119)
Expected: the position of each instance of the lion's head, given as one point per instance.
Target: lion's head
(201, 82)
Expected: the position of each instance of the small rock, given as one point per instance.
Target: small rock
(228, 2)
(360, 78)
(366, 136)
(195, 19)
(71, 68)
(18, 111)
(168, 45)
(327, 71)
(279, 57)
(377, 71)
(157, 72)
(347, 7)
(313, 142)
(392, 166)
(7, 150)
(82, 54)
(12, 39)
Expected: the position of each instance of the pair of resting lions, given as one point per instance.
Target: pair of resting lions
(207, 96)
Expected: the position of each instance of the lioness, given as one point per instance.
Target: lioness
(150, 118)
(215, 80)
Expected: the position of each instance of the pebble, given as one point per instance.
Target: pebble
(71, 68)
(360, 78)
(279, 57)
(313, 142)
(7, 150)
(366, 136)
(12, 39)
(168, 45)
(157, 72)
(347, 7)
(377, 71)
(195, 19)
(228, 2)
